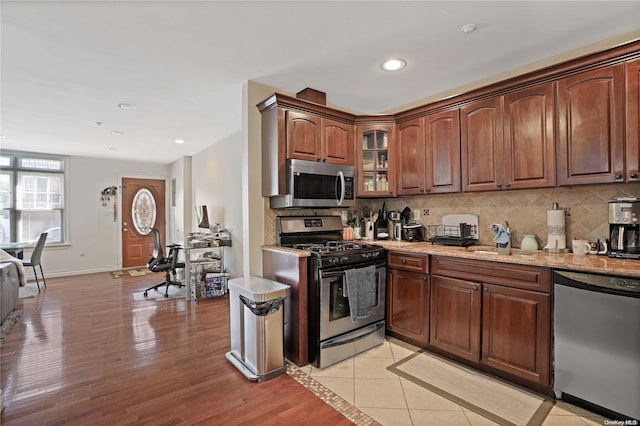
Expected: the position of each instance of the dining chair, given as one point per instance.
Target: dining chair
(34, 260)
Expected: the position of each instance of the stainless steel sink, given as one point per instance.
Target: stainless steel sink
(495, 253)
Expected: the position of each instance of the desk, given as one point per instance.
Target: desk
(14, 249)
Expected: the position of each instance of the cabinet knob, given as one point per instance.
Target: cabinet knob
(421, 189)
(633, 175)
(618, 176)
(424, 277)
(486, 290)
(404, 260)
(498, 185)
(474, 287)
(508, 185)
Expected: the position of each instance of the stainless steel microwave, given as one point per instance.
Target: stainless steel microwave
(317, 185)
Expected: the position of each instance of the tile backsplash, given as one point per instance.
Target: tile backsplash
(525, 210)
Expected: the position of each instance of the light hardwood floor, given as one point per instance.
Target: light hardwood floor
(85, 352)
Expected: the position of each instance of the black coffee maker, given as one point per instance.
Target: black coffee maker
(624, 228)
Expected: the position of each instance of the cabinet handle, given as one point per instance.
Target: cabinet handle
(421, 190)
(618, 176)
(633, 175)
(404, 260)
(498, 185)
(474, 287)
(507, 185)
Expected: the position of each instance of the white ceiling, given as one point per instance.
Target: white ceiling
(67, 65)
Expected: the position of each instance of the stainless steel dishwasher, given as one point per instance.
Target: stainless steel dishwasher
(597, 340)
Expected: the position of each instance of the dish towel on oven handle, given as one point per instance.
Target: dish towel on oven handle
(361, 290)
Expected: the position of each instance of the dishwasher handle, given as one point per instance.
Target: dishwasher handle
(607, 284)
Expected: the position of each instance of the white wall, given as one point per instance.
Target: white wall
(179, 221)
(94, 236)
(253, 93)
(217, 183)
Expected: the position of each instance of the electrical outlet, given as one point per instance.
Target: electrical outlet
(567, 211)
(425, 212)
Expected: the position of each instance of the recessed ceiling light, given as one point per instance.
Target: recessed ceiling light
(111, 148)
(126, 106)
(179, 141)
(469, 28)
(393, 64)
(117, 132)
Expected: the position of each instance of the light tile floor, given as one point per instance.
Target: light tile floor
(365, 382)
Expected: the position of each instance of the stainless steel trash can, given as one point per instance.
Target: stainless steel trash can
(256, 308)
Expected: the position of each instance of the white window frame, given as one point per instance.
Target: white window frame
(14, 169)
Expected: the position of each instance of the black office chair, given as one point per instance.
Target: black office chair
(35, 259)
(160, 263)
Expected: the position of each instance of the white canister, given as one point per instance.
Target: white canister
(529, 243)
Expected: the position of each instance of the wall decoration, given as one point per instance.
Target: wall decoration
(106, 196)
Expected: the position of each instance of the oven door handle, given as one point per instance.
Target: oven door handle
(333, 274)
(366, 331)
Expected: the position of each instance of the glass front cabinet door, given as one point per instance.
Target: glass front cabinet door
(375, 161)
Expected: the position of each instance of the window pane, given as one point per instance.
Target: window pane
(40, 164)
(32, 223)
(5, 161)
(5, 227)
(39, 191)
(5, 190)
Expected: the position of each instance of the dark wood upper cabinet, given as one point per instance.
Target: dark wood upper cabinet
(591, 127)
(411, 158)
(481, 145)
(429, 154)
(304, 135)
(633, 118)
(294, 128)
(529, 137)
(442, 139)
(376, 159)
(508, 141)
(338, 142)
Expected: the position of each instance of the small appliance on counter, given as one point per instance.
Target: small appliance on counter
(624, 228)
(413, 231)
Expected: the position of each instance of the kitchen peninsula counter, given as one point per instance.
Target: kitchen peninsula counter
(583, 263)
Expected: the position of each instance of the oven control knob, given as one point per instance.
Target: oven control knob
(333, 260)
(343, 259)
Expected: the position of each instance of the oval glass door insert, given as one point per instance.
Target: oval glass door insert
(143, 211)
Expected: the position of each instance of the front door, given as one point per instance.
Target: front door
(142, 209)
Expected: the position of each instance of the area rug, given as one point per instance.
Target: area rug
(501, 402)
(130, 273)
(8, 323)
(29, 290)
(158, 295)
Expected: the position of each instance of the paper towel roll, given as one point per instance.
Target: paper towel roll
(556, 230)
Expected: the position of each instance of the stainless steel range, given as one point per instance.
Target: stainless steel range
(347, 287)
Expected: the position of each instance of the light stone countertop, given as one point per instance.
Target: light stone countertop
(584, 263)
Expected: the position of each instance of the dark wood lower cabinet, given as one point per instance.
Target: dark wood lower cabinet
(455, 317)
(515, 332)
(408, 305)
